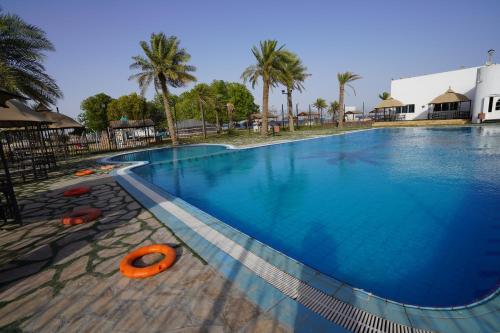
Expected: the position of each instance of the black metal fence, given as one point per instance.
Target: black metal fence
(454, 114)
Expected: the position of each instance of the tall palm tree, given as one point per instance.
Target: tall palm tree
(22, 48)
(293, 76)
(204, 96)
(164, 64)
(270, 62)
(383, 96)
(320, 105)
(344, 79)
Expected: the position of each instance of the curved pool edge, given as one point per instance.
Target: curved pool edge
(288, 305)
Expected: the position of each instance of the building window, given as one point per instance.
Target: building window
(437, 107)
(497, 107)
(454, 106)
(410, 108)
(490, 104)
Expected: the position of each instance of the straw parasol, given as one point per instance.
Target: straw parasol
(389, 103)
(450, 97)
(18, 114)
(58, 120)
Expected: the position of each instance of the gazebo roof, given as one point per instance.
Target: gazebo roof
(389, 103)
(353, 112)
(59, 121)
(18, 114)
(449, 97)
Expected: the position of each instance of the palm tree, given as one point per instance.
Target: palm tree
(22, 48)
(333, 108)
(270, 62)
(293, 75)
(344, 79)
(165, 64)
(205, 98)
(320, 105)
(383, 96)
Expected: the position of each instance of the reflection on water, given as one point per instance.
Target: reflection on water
(410, 214)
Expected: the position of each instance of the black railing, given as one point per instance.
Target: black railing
(454, 114)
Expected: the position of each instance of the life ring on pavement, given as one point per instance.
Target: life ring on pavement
(74, 192)
(107, 167)
(82, 215)
(85, 172)
(129, 270)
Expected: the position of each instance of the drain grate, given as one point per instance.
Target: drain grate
(327, 306)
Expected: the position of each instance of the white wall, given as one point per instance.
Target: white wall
(488, 85)
(420, 90)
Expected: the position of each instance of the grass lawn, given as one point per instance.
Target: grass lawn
(246, 138)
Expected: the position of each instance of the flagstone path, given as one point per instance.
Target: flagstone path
(55, 278)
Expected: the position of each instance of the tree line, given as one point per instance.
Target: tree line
(218, 103)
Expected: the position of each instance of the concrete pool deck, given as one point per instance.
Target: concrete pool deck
(185, 220)
(59, 279)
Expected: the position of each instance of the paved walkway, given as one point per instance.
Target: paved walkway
(65, 279)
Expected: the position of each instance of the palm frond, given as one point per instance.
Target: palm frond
(22, 51)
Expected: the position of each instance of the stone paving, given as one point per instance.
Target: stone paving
(55, 278)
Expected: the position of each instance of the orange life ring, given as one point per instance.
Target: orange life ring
(107, 167)
(128, 269)
(74, 192)
(85, 172)
(82, 215)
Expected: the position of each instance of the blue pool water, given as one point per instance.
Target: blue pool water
(412, 215)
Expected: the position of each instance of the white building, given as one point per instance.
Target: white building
(469, 93)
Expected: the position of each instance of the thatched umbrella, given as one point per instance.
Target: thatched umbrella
(387, 104)
(449, 101)
(450, 97)
(58, 120)
(18, 114)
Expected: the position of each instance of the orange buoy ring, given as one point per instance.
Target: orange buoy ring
(74, 192)
(107, 167)
(85, 172)
(82, 215)
(128, 269)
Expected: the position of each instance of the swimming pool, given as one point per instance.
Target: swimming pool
(407, 214)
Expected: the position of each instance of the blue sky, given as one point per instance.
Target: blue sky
(379, 40)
